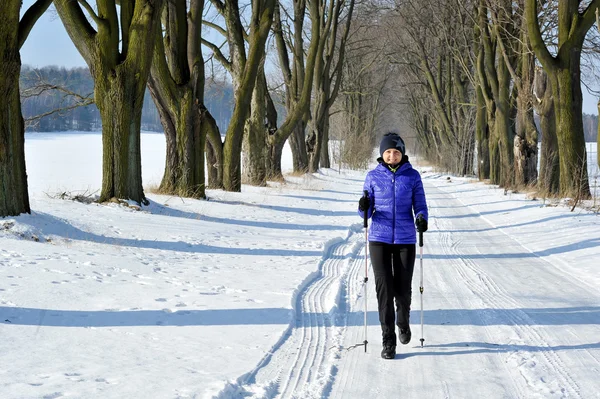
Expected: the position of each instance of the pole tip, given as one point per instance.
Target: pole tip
(422, 341)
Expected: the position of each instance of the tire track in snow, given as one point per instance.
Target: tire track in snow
(302, 363)
(559, 381)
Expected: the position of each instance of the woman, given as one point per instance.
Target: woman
(394, 190)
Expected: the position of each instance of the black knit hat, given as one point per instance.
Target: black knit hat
(391, 140)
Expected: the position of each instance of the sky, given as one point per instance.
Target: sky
(49, 44)
(260, 294)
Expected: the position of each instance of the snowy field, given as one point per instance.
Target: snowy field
(259, 294)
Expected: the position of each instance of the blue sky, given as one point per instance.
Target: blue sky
(49, 44)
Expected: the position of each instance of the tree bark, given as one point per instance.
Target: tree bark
(548, 180)
(482, 133)
(325, 159)
(255, 139)
(14, 197)
(526, 138)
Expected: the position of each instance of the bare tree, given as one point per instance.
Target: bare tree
(514, 49)
(327, 84)
(244, 69)
(177, 84)
(298, 76)
(564, 74)
(439, 79)
(40, 86)
(14, 198)
(117, 44)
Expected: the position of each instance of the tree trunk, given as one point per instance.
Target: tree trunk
(119, 100)
(525, 143)
(564, 72)
(176, 84)
(482, 133)
(503, 137)
(119, 55)
(325, 160)
(262, 19)
(255, 139)
(14, 198)
(184, 166)
(314, 141)
(298, 147)
(275, 151)
(548, 181)
(569, 126)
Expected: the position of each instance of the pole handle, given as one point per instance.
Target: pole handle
(366, 211)
(420, 238)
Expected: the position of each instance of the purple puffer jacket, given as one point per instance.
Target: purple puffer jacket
(394, 196)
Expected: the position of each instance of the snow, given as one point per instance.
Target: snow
(260, 294)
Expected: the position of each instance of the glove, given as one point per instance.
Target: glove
(421, 224)
(364, 203)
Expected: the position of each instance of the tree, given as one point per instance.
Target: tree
(327, 84)
(549, 177)
(564, 74)
(117, 44)
(177, 86)
(498, 79)
(298, 77)
(362, 99)
(514, 49)
(244, 69)
(14, 198)
(439, 78)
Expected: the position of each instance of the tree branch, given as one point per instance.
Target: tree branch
(588, 18)
(219, 5)
(216, 27)
(218, 53)
(535, 36)
(91, 12)
(78, 27)
(30, 17)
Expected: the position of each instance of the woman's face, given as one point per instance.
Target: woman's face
(392, 156)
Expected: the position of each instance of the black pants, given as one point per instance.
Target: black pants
(393, 266)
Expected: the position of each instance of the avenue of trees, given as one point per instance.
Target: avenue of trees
(477, 74)
(474, 85)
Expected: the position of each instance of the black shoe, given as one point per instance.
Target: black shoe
(388, 352)
(405, 335)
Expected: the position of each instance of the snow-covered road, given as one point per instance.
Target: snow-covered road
(501, 320)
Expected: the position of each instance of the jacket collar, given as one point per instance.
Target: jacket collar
(403, 165)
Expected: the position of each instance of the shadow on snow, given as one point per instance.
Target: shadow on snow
(586, 315)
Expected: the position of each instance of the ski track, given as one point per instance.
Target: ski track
(302, 363)
(557, 381)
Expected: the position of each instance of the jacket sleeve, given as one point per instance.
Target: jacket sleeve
(367, 187)
(419, 201)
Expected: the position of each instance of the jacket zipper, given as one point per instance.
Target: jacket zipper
(394, 208)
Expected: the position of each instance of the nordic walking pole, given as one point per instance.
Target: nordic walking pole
(366, 225)
(421, 283)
